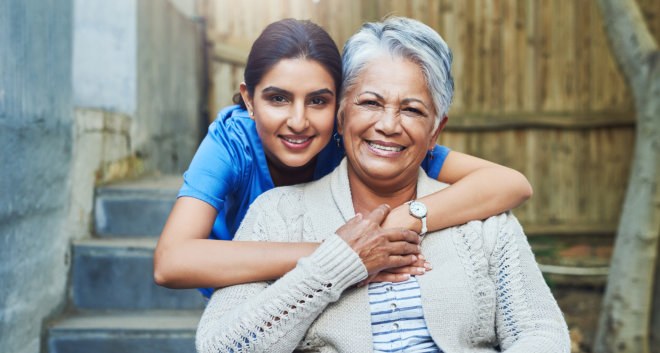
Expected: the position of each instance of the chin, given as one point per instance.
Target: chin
(297, 162)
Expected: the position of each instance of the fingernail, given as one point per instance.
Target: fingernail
(421, 257)
(406, 275)
(428, 266)
(421, 270)
(414, 258)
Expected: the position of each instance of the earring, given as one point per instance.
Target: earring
(337, 139)
(251, 113)
(430, 154)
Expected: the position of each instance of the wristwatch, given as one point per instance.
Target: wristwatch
(418, 210)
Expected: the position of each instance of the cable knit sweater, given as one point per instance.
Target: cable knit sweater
(484, 294)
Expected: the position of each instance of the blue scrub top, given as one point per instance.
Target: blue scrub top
(229, 169)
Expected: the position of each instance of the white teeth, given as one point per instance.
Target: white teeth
(295, 140)
(386, 148)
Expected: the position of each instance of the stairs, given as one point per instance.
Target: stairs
(116, 306)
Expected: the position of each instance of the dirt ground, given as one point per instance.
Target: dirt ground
(581, 308)
(579, 297)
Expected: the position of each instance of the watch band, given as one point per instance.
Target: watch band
(418, 210)
(424, 229)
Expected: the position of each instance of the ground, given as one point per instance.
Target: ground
(579, 297)
(581, 308)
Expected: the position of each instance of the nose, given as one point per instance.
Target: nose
(389, 122)
(297, 120)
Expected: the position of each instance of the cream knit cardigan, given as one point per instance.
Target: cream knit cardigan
(485, 289)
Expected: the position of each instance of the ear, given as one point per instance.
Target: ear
(441, 126)
(340, 121)
(242, 88)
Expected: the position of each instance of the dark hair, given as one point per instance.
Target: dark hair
(290, 39)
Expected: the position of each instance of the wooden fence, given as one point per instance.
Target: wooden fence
(536, 89)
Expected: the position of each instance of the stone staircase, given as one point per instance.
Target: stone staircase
(115, 304)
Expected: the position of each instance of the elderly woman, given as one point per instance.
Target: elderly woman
(485, 293)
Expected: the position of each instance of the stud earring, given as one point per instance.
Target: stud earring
(337, 139)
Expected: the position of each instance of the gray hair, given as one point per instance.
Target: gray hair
(404, 38)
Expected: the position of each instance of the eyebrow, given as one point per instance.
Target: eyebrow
(405, 101)
(285, 92)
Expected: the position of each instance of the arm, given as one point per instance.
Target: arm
(479, 189)
(527, 318)
(185, 258)
(261, 318)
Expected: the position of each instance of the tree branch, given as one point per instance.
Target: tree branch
(630, 39)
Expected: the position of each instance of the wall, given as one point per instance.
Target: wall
(91, 91)
(36, 139)
(537, 89)
(138, 80)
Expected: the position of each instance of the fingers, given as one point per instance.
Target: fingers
(390, 277)
(378, 215)
(411, 269)
(402, 234)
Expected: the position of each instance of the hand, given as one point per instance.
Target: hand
(380, 248)
(400, 217)
(399, 274)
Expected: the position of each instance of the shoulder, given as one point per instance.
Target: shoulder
(233, 122)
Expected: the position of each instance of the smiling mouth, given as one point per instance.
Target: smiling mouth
(386, 148)
(297, 140)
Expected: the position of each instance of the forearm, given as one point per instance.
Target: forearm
(483, 193)
(479, 195)
(274, 318)
(207, 263)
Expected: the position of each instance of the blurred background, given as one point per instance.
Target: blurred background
(95, 93)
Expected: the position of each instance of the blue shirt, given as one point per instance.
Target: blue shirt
(229, 169)
(397, 318)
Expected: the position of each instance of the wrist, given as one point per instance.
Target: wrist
(400, 217)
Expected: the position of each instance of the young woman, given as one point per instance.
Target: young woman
(282, 133)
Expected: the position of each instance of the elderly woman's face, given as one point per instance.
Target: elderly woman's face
(388, 120)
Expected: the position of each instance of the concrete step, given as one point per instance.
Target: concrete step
(117, 273)
(126, 332)
(135, 208)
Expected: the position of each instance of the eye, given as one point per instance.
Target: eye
(414, 111)
(318, 101)
(278, 99)
(368, 103)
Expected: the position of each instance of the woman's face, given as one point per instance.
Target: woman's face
(294, 111)
(387, 122)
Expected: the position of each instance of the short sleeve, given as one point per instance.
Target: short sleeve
(213, 170)
(432, 166)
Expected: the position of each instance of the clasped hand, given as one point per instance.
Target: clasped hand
(390, 255)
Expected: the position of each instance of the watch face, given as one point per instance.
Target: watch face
(418, 209)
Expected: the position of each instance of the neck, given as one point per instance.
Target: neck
(367, 197)
(284, 175)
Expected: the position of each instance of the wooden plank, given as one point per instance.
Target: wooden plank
(530, 82)
(543, 54)
(486, 121)
(570, 229)
(510, 57)
(229, 53)
(583, 53)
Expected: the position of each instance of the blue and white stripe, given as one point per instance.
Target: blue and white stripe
(397, 318)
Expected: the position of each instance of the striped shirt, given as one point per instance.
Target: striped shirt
(397, 318)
